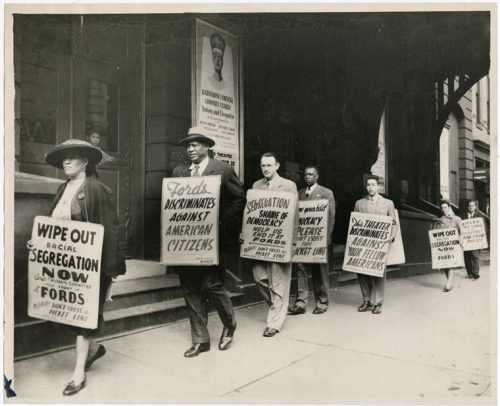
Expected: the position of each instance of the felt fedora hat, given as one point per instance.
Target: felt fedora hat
(56, 155)
(198, 134)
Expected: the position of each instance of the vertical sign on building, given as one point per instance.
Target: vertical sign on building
(444, 163)
(379, 167)
(216, 76)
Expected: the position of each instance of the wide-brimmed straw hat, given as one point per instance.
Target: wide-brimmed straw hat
(56, 155)
(198, 134)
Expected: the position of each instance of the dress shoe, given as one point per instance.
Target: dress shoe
(98, 354)
(319, 310)
(295, 310)
(227, 337)
(476, 276)
(270, 332)
(365, 306)
(72, 389)
(197, 349)
(377, 309)
(447, 289)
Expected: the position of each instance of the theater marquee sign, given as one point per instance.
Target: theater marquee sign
(216, 75)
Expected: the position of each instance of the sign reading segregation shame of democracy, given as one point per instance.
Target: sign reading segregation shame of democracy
(446, 250)
(64, 271)
(367, 243)
(268, 225)
(190, 220)
(473, 234)
(312, 241)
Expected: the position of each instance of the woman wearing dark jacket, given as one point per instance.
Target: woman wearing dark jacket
(84, 198)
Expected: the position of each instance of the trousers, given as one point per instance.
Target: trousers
(198, 285)
(372, 288)
(273, 281)
(321, 285)
(471, 259)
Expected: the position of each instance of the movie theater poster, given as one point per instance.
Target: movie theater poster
(64, 271)
(268, 225)
(190, 220)
(216, 96)
(367, 243)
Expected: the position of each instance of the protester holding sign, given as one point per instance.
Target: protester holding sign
(200, 282)
(471, 257)
(448, 220)
(84, 198)
(373, 287)
(273, 278)
(319, 272)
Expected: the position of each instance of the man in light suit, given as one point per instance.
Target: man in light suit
(319, 272)
(200, 282)
(471, 258)
(273, 278)
(372, 287)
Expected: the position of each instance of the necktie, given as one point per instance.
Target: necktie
(195, 171)
(308, 192)
(267, 184)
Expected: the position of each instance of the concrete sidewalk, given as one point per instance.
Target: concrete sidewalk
(426, 346)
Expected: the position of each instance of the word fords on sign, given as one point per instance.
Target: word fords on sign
(268, 223)
(190, 212)
(312, 238)
(64, 271)
(367, 243)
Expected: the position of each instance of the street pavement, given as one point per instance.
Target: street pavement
(427, 346)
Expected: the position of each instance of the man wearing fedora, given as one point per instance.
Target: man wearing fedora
(200, 282)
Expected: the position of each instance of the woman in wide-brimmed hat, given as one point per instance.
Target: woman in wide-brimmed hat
(84, 198)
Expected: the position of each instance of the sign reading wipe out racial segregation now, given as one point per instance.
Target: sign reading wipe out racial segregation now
(446, 250)
(64, 271)
(190, 220)
(473, 234)
(367, 243)
(312, 240)
(268, 225)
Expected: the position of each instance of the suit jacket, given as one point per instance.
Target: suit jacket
(96, 204)
(476, 214)
(284, 185)
(232, 201)
(384, 207)
(320, 193)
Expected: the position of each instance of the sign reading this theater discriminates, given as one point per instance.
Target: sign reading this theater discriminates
(268, 222)
(396, 253)
(367, 243)
(64, 271)
(445, 248)
(473, 234)
(190, 220)
(312, 241)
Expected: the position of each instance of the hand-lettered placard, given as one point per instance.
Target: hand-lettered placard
(446, 250)
(396, 253)
(64, 271)
(473, 234)
(312, 241)
(190, 220)
(268, 225)
(367, 243)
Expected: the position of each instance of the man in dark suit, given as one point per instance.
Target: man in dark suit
(471, 258)
(200, 282)
(319, 272)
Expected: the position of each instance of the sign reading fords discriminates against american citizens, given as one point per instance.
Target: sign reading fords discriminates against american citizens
(367, 243)
(64, 271)
(473, 234)
(268, 222)
(190, 220)
(445, 248)
(312, 242)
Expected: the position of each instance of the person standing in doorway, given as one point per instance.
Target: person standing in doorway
(373, 287)
(273, 278)
(471, 258)
(201, 282)
(319, 272)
